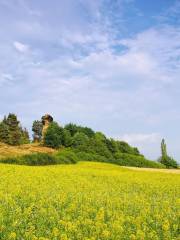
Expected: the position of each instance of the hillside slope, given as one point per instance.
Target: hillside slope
(8, 151)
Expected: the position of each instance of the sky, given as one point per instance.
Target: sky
(112, 65)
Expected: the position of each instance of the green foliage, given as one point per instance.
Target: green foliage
(66, 156)
(67, 139)
(11, 132)
(163, 149)
(54, 136)
(31, 159)
(84, 156)
(168, 161)
(14, 130)
(124, 147)
(4, 133)
(112, 145)
(37, 130)
(24, 136)
(73, 129)
(99, 147)
(125, 159)
(90, 146)
(80, 141)
(40, 159)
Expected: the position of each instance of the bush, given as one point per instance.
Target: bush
(84, 156)
(122, 159)
(66, 156)
(125, 159)
(41, 159)
(169, 162)
(33, 159)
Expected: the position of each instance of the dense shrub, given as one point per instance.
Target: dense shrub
(124, 147)
(84, 156)
(73, 129)
(31, 159)
(40, 159)
(66, 156)
(122, 159)
(125, 159)
(168, 161)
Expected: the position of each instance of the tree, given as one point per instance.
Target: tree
(14, 130)
(54, 136)
(4, 133)
(72, 128)
(80, 141)
(163, 149)
(168, 161)
(24, 136)
(37, 130)
(112, 145)
(67, 139)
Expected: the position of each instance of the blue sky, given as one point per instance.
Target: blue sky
(113, 65)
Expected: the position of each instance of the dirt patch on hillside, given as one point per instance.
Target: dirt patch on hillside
(7, 151)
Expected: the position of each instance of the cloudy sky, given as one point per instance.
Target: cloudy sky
(113, 65)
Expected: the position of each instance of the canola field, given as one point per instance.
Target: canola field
(87, 201)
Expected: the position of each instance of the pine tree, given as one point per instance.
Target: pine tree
(14, 131)
(24, 136)
(4, 133)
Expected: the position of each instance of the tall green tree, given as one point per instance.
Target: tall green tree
(11, 131)
(163, 149)
(73, 129)
(24, 136)
(37, 130)
(67, 139)
(4, 133)
(168, 161)
(54, 136)
(12, 123)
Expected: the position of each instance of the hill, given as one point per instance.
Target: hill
(78, 143)
(87, 201)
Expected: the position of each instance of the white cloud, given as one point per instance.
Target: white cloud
(139, 138)
(23, 48)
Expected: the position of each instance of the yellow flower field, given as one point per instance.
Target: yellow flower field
(87, 201)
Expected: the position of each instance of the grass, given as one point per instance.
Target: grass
(87, 201)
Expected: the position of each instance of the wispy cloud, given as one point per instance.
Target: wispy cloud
(21, 47)
(141, 138)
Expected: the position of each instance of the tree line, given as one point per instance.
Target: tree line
(83, 140)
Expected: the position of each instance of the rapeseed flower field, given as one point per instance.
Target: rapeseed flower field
(87, 201)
